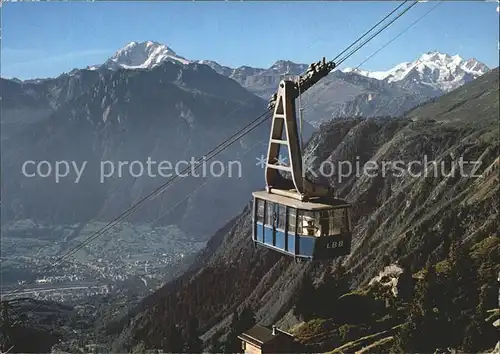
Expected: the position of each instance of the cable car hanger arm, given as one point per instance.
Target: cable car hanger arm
(284, 133)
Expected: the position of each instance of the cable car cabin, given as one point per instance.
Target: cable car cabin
(315, 230)
(294, 215)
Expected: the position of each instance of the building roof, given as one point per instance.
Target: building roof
(259, 335)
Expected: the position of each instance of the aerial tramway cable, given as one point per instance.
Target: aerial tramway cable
(214, 152)
(391, 40)
(207, 157)
(400, 33)
(348, 55)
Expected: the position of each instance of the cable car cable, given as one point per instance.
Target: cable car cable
(387, 43)
(371, 29)
(198, 187)
(400, 34)
(221, 147)
(377, 33)
(369, 39)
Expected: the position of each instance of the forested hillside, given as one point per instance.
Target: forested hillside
(438, 233)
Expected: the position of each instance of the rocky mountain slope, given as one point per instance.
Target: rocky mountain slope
(405, 218)
(262, 82)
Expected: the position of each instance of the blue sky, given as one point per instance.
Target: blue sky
(45, 39)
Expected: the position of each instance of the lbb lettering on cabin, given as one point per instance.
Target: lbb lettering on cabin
(335, 244)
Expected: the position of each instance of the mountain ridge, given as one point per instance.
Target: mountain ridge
(438, 70)
(343, 93)
(93, 116)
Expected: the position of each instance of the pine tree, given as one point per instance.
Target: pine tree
(239, 324)
(426, 300)
(407, 338)
(460, 292)
(479, 334)
(233, 344)
(406, 284)
(173, 342)
(326, 295)
(420, 332)
(386, 260)
(215, 345)
(139, 348)
(5, 341)
(472, 336)
(246, 319)
(343, 279)
(325, 298)
(234, 319)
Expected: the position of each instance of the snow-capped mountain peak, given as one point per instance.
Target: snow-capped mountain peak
(143, 55)
(437, 70)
